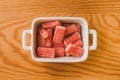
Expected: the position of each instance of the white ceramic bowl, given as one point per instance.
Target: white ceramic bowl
(85, 31)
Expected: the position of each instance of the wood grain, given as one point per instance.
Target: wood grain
(102, 64)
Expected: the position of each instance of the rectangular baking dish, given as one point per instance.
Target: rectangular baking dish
(85, 31)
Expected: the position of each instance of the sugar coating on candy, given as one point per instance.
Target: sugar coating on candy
(71, 29)
(41, 41)
(49, 38)
(43, 33)
(59, 45)
(74, 50)
(78, 43)
(55, 39)
(51, 24)
(46, 52)
(59, 34)
(72, 38)
(59, 51)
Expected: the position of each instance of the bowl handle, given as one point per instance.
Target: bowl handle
(94, 45)
(24, 45)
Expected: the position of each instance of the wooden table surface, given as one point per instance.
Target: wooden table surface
(102, 63)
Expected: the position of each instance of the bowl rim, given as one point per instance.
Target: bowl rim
(59, 18)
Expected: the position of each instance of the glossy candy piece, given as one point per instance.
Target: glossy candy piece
(46, 52)
(49, 38)
(78, 43)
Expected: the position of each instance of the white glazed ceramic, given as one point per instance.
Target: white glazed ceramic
(85, 31)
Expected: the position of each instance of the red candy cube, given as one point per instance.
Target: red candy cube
(59, 51)
(74, 50)
(58, 44)
(51, 24)
(49, 38)
(46, 52)
(78, 43)
(57, 39)
(59, 34)
(72, 38)
(43, 33)
(41, 41)
(71, 29)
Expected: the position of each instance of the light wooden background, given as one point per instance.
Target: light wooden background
(17, 64)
